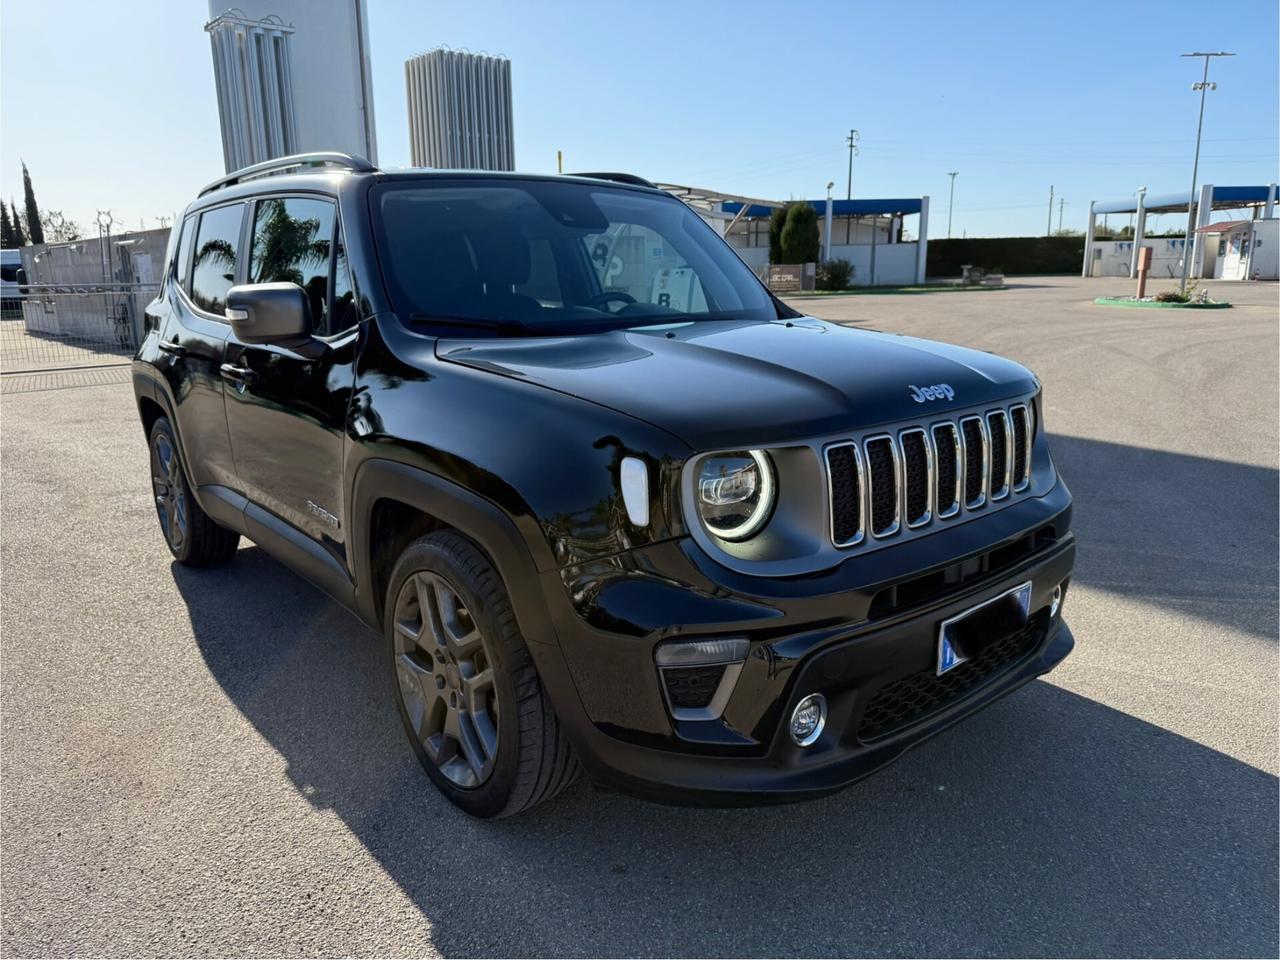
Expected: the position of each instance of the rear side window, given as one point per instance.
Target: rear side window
(213, 269)
(183, 272)
(293, 243)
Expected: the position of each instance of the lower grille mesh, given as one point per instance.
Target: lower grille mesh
(911, 699)
(691, 688)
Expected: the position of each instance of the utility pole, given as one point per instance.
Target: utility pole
(852, 141)
(1204, 86)
(1049, 229)
(951, 200)
(1061, 204)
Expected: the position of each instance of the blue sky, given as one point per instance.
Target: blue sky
(112, 104)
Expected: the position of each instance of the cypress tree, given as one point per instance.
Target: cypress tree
(6, 228)
(19, 238)
(34, 228)
(800, 243)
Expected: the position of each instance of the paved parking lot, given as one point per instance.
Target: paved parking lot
(209, 762)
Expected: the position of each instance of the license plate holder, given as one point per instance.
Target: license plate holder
(967, 634)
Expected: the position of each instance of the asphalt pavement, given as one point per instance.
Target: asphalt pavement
(209, 762)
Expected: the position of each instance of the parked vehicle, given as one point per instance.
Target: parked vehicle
(12, 276)
(611, 505)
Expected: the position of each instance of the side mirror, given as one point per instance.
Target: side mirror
(268, 312)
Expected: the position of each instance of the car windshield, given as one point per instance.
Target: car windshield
(544, 257)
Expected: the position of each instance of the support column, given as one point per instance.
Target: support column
(1195, 250)
(1139, 232)
(1270, 210)
(1086, 269)
(922, 244)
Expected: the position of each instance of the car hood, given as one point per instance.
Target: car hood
(722, 384)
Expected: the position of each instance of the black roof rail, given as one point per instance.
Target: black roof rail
(630, 178)
(341, 161)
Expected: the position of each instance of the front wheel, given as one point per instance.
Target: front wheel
(194, 538)
(465, 685)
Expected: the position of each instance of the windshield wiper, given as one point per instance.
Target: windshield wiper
(475, 323)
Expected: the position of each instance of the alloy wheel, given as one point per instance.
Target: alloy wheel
(446, 679)
(170, 493)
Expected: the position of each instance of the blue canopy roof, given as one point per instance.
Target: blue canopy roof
(1162, 202)
(839, 208)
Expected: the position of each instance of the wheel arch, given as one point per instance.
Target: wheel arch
(393, 504)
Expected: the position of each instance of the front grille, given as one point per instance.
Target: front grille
(907, 701)
(882, 467)
(691, 688)
(926, 473)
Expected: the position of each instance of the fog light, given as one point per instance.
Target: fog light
(1056, 602)
(809, 718)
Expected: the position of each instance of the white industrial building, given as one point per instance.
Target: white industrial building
(292, 76)
(874, 235)
(460, 111)
(1232, 249)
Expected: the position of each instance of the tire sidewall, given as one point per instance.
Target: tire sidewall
(492, 796)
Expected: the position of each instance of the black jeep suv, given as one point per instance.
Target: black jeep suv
(610, 503)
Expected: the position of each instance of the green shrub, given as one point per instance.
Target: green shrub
(777, 220)
(1172, 296)
(800, 243)
(834, 274)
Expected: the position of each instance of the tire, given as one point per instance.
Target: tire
(193, 537)
(492, 745)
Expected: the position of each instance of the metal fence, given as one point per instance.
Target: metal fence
(59, 326)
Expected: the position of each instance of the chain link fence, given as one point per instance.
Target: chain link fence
(60, 326)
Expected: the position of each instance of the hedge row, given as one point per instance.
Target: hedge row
(1009, 255)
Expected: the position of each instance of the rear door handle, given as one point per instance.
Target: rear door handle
(174, 348)
(241, 376)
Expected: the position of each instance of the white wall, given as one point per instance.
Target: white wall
(1111, 257)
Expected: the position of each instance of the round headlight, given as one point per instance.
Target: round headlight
(735, 493)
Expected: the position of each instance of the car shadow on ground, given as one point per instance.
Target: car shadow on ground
(1048, 824)
(1192, 534)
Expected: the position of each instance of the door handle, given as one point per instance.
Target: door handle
(173, 348)
(241, 376)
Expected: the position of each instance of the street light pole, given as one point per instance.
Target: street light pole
(1049, 228)
(1204, 86)
(852, 141)
(951, 200)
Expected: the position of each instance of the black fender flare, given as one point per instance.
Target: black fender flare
(471, 515)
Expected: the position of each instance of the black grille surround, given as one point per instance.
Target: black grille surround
(904, 702)
(921, 475)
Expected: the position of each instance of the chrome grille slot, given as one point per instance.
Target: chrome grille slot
(998, 431)
(973, 435)
(897, 483)
(1021, 447)
(844, 479)
(947, 470)
(917, 477)
(883, 494)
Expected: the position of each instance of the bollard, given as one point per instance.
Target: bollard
(1144, 264)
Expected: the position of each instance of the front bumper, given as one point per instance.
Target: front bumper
(607, 693)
